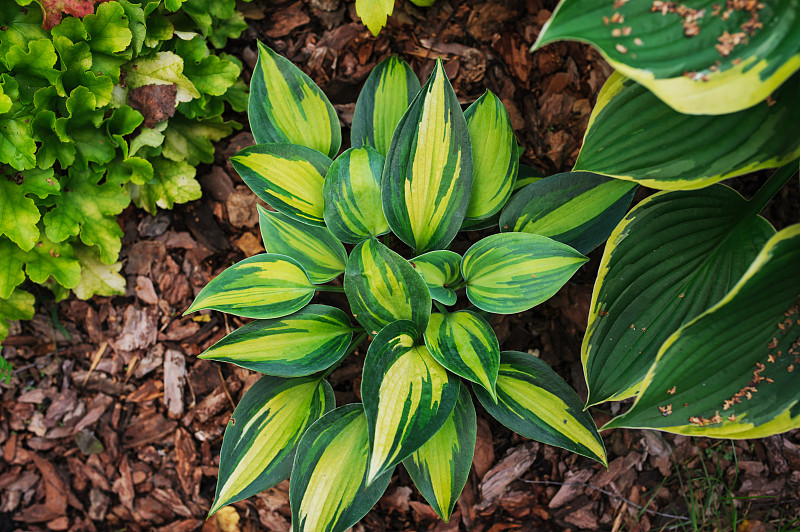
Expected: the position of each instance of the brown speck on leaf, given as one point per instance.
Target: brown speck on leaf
(616, 32)
(606, 21)
(602, 313)
(672, 390)
(619, 3)
(773, 343)
(732, 418)
(665, 410)
(638, 42)
(790, 368)
(621, 49)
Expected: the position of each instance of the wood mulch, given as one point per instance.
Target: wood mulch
(111, 422)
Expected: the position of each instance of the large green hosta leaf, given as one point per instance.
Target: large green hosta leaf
(733, 371)
(701, 73)
(672, 257)
(633, 135)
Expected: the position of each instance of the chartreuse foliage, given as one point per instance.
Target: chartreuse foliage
(373, 13)
(74, 151)
(417, 406)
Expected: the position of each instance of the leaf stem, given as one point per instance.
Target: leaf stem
(328, 288)
(772, 186)
(457, 286)
(440, 307)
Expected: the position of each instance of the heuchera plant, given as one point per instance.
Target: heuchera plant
(420, 170)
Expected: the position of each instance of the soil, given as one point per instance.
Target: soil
(111, 422)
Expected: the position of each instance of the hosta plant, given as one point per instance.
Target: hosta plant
(374, 223)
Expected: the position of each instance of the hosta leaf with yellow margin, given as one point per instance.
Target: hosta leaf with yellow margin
(465, 343)
(734, 370)
(328, 490)
(579, 209)
(535, 402)
(691, 66)
(308, 341)
(428, 173)
(440, 269)
(263, 286)
(286, 176)
(382, 287)
(407, 396)
(441, 466)
(635, 136)
(495, 160)
(286, 106)
(512, 272)
(260, 439)
(387, 93)
(352, 196)
(373, 13)
(320, 254)
(673, 256)
(526, 176)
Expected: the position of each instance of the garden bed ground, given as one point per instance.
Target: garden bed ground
(111, 422)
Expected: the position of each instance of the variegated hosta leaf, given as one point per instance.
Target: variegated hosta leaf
(440, 269)
(512, 272)
(633, 135)
(263, 286)
(465, 343)
(286, 106)
(302, 343)
(320, 254)
(441, 466)
(494, 156)
(672, 257)
(382, 287)
(428, 173)
(287, 176)
(352, 194)
(579, 209)
(526, 176)
(373, 13)
(708, 59)
(535, 402)
(733, 371)
(387, 93)
(407, 395)
(328, 490)
(260, 438)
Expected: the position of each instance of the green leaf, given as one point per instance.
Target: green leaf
(286, 106)
(633, 135)
(672, 257)
(97, 278)
(264, 286)
(315, 248)
(387, 93)
(579, 209)
(495, 160)
(693, 71)
(17, 147)
(210, 74)
(164, 68)
(526, 176)
(289, 177)
(512, 272)
(440, 270)
(732, 371)
(328, 489)
(382, 287)
(428, 173)
(51, 146)
(19, 306)
(108, 28)
(76, 65)
(441, 466)
(136, 25)
(173, 182)
(18, 214)
(407, 396)
(33, 67)
(465, 343)
(308, 341)
(48, 259)
(192, 140)
(19, 26)
(536, 403)
(373, 13)
(12, 260)
(82, 127)
(259, 443)
(352, 196)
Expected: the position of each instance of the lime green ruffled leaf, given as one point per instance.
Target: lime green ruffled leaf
(172, 182)
(320, 254)
(210, 74)
(428, 172)
(163, 68)
(289, 177)
(17, 147)
(536, 403)
(33, 67)
(512, 272)
(18, 27)
(260, 440)
(57, 260)
(382, 287)
(441, 466)
(373, 13)
(12, 260)
(635, 136)
(97, 277)
(83, 128)
(51, 146)
(732, 372)
(136, 16)
(286, 106)
(407, 396)
(264, 286)
(18, 306)
(387, 93)
(440, 270)
(108, 29)
(579, 209)
(495, 161)
(18, 214)
(193, 140)
(352, 196)
(328, 489)
(704, 60)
